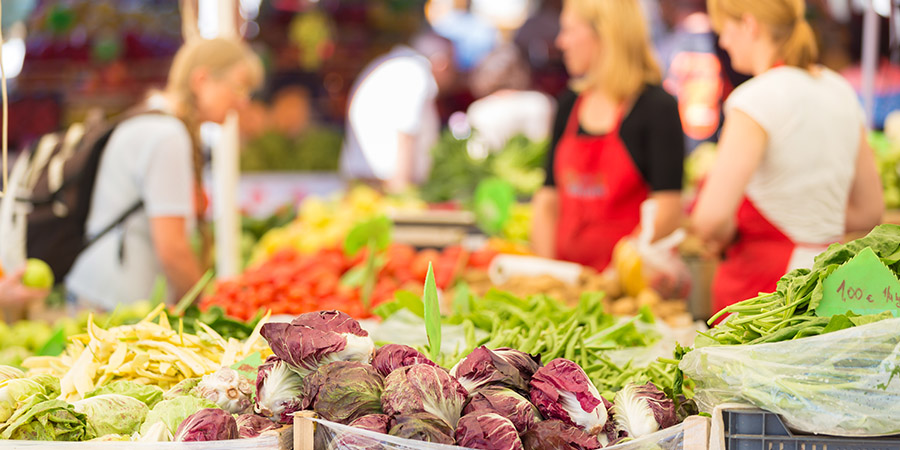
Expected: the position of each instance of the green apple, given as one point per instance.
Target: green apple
(37, 274)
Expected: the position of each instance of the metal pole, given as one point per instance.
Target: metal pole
(871, 28)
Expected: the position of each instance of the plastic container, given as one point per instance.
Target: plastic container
(279, 439)
(762, 430)
(317, 434)
(269, 442)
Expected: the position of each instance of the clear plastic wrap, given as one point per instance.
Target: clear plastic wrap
(845, 383)
(641, 263)
(264, 442)
(334, 436)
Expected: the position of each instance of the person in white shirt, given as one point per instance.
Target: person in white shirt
(506, 106)
(794, 171)
(155, 161)
(392, 118)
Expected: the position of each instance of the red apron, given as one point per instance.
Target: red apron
(600, 194)
(754, 262)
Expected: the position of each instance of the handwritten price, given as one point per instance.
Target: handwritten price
(851, 294)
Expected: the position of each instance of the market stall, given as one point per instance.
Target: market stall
(354, 319)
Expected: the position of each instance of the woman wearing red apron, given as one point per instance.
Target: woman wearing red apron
(794, 171)
(616, 143)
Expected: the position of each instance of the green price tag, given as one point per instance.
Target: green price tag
(863, 285)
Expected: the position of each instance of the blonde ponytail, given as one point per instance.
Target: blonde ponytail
(800, 48)
(784, 19)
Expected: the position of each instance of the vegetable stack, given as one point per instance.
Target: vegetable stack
(789, 312)
(492, 399)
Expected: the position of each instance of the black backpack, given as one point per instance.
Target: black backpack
(62, 172)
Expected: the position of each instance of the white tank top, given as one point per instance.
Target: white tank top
(813, 124)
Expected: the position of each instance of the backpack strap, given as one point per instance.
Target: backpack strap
(137, 206)
(119, 221)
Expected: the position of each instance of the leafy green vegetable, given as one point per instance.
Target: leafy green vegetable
(432, 314)
(789, 312)
(455, 173)
(542, 325)
(146, 394)
(16, 393)
(173, 412)
(47, 420)
(193, 293)
(315, 149)
(112, 414)
(377, 229)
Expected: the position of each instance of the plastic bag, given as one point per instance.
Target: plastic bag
(843, 383)
(641, 263)
(334, 436)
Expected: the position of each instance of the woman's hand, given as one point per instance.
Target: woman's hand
(545, 207)
(14, 293)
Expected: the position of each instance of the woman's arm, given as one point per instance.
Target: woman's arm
(173, 249)
(865, 205)
(545, 213)
(668, 213)
(740, 153)
(406, 155)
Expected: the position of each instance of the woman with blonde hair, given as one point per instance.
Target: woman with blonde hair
(794, 172)
(149, 181)
(617, 138)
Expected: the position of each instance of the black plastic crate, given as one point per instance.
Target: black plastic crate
(762, 430)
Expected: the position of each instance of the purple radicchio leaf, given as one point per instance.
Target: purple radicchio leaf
(506, 402)
(424, 388)
(394, 356)
(557, 435)
(561, 390)
(278, 391)
(488, 431)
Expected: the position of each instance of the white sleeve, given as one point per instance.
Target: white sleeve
(168, 184)
(414, 91)
(760, 100)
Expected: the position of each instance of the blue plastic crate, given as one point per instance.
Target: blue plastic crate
(762, 430)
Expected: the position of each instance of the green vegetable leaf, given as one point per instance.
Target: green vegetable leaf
(462, 299)
(369, 275)
(55, 345)
(432, 314)
(870, 318)
(249, 366)
(646, 314)
(493, 201)
(411, 302)
(387, 309)
(377, 229)
(158, 294)
(838, 322)
(354, 277)
(192, 295)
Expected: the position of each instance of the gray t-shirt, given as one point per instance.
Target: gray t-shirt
(148, 158)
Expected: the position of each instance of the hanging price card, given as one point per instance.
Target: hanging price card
(863, 285)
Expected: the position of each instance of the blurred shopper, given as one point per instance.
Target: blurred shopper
(473, 36)
(617, 139)
(794, 171)
(392, 118)
(692, 70)
(506, 105)
(153, 164)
